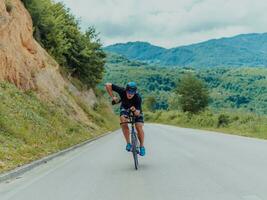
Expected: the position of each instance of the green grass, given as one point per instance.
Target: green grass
(244, 124)
(31, 128)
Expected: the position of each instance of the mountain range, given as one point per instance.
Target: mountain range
(240, 50)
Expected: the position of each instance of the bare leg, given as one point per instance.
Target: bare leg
(140, 132)
(125, 129)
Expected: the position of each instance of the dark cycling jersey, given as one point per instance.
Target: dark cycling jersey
(126, 103)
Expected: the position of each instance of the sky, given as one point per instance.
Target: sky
(169, 23)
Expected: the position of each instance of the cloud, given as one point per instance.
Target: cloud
(170, 23)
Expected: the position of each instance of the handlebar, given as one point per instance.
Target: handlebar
(127, 123)
(115, 102)
(131, 116)
(131, 121)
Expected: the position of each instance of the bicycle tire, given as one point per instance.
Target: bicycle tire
(135, 159)
(134, 151)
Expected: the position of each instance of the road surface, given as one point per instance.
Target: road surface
(181, 164)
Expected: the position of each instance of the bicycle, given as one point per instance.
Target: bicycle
(134, 140)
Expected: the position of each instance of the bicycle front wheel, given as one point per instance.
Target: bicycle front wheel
(135, 157)
(134, 151)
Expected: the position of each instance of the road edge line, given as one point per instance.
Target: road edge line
(27, 167)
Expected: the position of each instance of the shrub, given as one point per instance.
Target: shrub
(235, 118)
(59, 32)
(205, 119)
(158, 115)
(150, 103)
(246, 119)
(9, 6)
(223, 120)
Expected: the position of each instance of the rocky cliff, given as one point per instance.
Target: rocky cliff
(26, 64)
(21, 57)
(45, 113)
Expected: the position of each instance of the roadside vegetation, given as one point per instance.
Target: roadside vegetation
(31, 128)
(191, 93)
(8, 5)
(243, 124)
(78, 53)
(191, 110)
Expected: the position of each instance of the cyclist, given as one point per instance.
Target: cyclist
(130, 100)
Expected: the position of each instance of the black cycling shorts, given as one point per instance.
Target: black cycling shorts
(126, 112)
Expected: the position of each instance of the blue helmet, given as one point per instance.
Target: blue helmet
(131, 87)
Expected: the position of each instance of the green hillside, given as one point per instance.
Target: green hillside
(241, 50)
(136, 50)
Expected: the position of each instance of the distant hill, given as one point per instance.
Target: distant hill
(137, 50)
(241, 50)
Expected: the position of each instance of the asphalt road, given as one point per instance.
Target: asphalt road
(181, 164)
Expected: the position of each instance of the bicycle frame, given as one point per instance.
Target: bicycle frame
(134, 140)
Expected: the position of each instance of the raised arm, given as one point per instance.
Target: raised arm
(109, 90)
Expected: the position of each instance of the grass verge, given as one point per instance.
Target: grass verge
(31, 128)
(243, 124)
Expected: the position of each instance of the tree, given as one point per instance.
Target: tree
(173, 102)
(193, 95)
(58, 31)
(150, 103)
